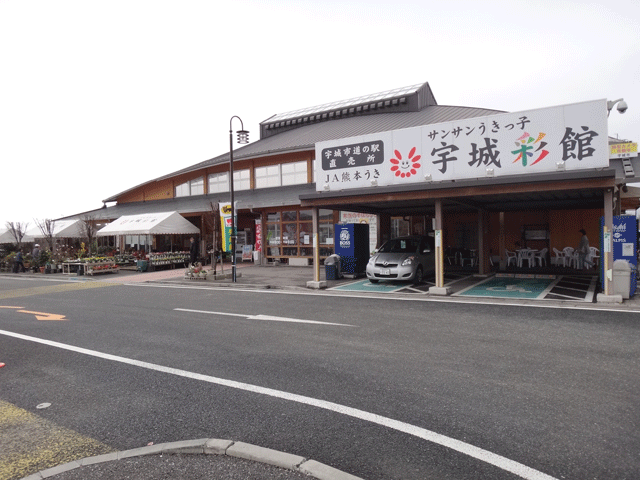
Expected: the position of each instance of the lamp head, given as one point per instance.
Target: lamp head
(243, 136)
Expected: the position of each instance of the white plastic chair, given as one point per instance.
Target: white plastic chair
(511, 256)
(570, 257)
(541, 256)
(559, 257)
(592, 257)
(528, 255)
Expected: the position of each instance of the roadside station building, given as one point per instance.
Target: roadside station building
(478, 179)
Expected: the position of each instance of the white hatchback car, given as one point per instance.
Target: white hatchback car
(402, 258)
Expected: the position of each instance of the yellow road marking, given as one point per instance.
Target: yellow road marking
(44, 316)
(31, 443)
(67, 287)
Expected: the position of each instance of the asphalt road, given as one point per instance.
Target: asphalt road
(396, 390)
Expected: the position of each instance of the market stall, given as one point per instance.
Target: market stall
(91, 266)
(146, 226)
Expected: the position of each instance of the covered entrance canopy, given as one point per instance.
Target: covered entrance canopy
(150, 224)
(546, 163)
(533, 192)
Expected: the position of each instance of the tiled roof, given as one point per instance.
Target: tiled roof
(305, 137)
(300, 130)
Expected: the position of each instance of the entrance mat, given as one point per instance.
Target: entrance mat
(367, 286)
(511, 286)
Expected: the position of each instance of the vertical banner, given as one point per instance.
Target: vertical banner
(258, 247)
(225, 220)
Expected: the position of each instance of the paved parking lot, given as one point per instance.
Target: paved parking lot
(539, 287)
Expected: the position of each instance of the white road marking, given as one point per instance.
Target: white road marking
(264, 317)
(465, 448)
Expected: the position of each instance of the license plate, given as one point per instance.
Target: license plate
(385, 271)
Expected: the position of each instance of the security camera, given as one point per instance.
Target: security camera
(622, 106)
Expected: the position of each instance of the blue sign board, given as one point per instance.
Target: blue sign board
(625, 247)
(344, 243)
(352, 245)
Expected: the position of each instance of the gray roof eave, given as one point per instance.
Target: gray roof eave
(474, 182)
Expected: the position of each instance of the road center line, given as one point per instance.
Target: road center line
(264, 317)
(478, 453)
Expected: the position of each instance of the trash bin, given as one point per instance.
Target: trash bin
(622, 278)
(332, 267)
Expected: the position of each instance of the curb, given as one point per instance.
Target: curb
(210, 446)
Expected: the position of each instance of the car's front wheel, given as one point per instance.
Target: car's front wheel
(419, 277)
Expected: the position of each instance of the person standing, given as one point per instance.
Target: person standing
(19, 263)
(193, 251)
(583, 250)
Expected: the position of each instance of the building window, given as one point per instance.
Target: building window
(219, 182)
(241, 180)
(183, 190)
(400, 227)
(290, 233)
(192, 187)
(268, 176)
(197, 186)
(294, 173)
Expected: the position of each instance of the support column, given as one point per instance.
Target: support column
(439, 288)
(481, 242)
(316, 282)
(384, 228)
(607, 253)
(502, 244)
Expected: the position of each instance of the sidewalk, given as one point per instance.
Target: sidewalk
(276, 276)
(200, 459)
(296, 278)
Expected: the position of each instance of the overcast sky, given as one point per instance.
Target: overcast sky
(97, 97)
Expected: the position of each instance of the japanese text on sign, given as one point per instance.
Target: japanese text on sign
(355, 155)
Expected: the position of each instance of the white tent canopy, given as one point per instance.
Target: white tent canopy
(5, 236)
(150, 224)
(61, 229)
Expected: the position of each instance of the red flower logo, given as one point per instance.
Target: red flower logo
(407, 167)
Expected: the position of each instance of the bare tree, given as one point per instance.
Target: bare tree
(18, 231)
(47, 227)
(89, 230)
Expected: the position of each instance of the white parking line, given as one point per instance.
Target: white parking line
(465, 448)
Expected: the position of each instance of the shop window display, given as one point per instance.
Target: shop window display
(290, 233)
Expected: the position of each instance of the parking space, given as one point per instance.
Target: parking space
(364, 285)
(540, 287)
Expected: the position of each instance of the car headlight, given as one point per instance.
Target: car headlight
(372, 260)
(408, 261)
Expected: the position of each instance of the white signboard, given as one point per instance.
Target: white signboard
(535, 141)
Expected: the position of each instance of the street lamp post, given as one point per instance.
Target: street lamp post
(243, 137)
